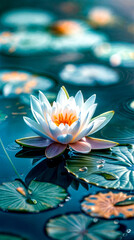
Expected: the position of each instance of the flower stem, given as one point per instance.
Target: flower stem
(14, 168)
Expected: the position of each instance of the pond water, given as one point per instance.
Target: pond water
(56, 66)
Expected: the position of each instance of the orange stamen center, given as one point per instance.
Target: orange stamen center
(65, 119)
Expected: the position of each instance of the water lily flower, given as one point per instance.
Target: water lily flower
(67, 123)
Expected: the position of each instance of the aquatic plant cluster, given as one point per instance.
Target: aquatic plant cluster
(58, 157)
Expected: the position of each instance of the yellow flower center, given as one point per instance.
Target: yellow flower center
(65, 119)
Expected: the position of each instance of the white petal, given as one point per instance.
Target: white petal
(85, 120)
(74, 128)
(44, 102)
(43, 123)
(82, 133)
(65, 138)
(56, 108)
(35, 127)
(61, 126)
(79, 99)
(90, 101)
(54, 130)
(107, 115)
(71, 102)
(97, 125)
(61, 98)
(35, 106)
(91, 111)
(64, 128)
(48, 118)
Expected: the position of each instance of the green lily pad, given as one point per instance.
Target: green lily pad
(117, 53)
(80, 226)
(5, 236)
(110, 168)
(38, 197)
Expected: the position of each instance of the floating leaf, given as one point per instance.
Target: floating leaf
(117, 53)
(32, 83)
(79, 226)
(106, 205)
(117, 162)
(26, 17)
(23, 43)
(38, 197)
(93, 75)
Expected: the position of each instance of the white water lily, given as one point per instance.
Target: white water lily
(67, 122)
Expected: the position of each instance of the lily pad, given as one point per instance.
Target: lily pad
(85, 40)
(93, 75)
(33, 83)
(79, 226)
(24, 43)
(14, 196)
(97, 167)
(14, 82)
(117, 53)
(25, 18)
(109, 205)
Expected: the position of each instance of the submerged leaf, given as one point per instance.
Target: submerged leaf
(14, 196)
(80, 226)
(110, 168)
